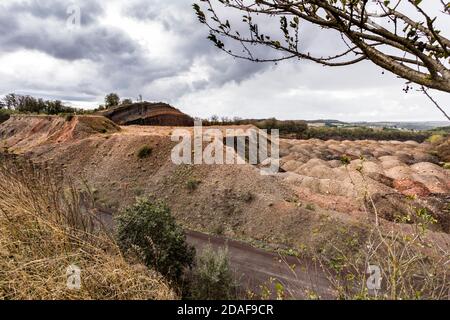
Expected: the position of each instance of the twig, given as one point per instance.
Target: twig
(424, 90)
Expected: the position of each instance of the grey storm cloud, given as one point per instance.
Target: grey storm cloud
(123, 63)
(40, 25)
(196, 45)
(173, 61)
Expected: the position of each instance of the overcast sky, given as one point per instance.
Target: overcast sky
(158, 49)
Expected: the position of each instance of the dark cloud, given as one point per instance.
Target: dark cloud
(178, 17)
(54, 9)
(173, 62)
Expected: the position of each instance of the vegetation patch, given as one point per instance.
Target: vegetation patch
(192, 184)
(144, 152)
(212, 278)
(148, 230)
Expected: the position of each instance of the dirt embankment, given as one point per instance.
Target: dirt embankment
(26, 133)
(318, 200)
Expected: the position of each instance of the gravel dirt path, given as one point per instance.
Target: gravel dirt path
(254, 267)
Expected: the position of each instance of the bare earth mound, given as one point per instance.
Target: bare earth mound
(315, 201)
(27, 132)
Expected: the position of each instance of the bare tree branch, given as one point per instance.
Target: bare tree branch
(425, 91)
(413, 50)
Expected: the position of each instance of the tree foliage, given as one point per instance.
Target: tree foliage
(29, 104)
(399, 36)
(112, 100)
(126, 102)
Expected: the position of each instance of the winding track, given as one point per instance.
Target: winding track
(253, 267)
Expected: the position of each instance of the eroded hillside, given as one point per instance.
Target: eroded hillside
(323, 195)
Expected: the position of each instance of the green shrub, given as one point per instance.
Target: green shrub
(150, 230)
(247, 197)
(212, 278)
(144, 152)
(192, 184)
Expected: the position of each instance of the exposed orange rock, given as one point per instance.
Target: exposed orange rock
(411, 188)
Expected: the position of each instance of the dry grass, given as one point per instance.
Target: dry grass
(412, 265)
(45, 227)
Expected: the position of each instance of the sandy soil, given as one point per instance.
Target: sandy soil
(315, 201)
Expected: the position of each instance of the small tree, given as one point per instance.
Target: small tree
(10, 101)
(214, 119)
(150, 230)
(112, 100)
(212, 278)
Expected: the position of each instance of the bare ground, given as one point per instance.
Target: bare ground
(318, 200)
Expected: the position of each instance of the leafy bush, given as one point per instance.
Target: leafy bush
(212, 278)
(247, 197)
(192, 184)
(144, 152)
(150, 230)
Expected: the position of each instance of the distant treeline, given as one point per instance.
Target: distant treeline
(298, 129)
(28, 104)
(285, 126)
(363, 133)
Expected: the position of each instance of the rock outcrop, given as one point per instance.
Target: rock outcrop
(146, 113)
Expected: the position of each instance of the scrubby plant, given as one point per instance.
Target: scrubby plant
(345, 160)
(144, 152)
(148, 229)
(192, 184)
(247, 196)
(212, 277)
(436, 138)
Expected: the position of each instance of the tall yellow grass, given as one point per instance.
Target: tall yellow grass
(46, 226)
